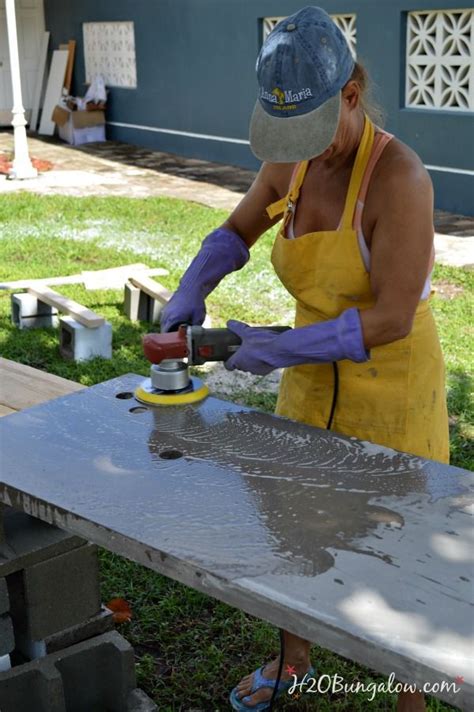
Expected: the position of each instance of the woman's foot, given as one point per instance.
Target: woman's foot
(270, 671)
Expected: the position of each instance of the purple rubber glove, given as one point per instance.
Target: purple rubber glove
(222, 252)
(263, 350)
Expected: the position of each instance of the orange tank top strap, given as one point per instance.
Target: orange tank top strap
(381, 139)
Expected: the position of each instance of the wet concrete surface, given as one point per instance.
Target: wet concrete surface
(357, 547)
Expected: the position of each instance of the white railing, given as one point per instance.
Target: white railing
(440, 60)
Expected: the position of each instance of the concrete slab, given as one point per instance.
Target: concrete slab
(359, 548)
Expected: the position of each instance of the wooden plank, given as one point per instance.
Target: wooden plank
(152, 288)
(111, 278)
(5, 410)
(23, 386)
(116, 277)
(39, 81)
(53, 91)
(70, 65)
(82, 314)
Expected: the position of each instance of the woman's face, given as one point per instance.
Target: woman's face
(347, 121)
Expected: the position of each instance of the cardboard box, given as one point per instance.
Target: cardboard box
(78, 127)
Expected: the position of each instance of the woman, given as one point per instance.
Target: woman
(355, 249)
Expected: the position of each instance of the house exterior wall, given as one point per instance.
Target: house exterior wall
(196, 75)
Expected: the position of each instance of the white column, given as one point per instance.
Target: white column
(22, 167)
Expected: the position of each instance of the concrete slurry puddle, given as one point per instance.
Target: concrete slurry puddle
(362, 549)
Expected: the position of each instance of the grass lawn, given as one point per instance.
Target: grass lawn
(191, 650)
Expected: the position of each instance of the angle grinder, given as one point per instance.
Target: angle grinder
(170, 382)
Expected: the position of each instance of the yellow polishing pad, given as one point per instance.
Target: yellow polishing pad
(145, 393)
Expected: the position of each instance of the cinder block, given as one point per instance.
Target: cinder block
(139, 306)
(93, 676)
(154, 310)
(96, 625)
(135, 303)
(7, 638)
(28, 540)
(32, 688)
(28, 312)
(80, 343)
(56, 594)
(138, 701)
(4, 602)
(98, 674)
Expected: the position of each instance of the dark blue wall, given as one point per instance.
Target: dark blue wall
(196, 73)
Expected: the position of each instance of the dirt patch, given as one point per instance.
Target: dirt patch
(40, 164)
(448, 290)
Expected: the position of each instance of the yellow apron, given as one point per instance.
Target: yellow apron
(398, 397)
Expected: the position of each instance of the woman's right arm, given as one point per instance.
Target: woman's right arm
(225, 249)
(250, 219)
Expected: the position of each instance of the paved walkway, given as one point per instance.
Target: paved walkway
(114, 168)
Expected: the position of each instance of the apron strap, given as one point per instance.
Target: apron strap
(297, 177)
(357, 176)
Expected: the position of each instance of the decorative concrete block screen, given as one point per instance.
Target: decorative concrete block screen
(346, 23)
(109, 49)
(440, 60)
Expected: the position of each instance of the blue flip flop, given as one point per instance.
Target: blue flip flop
(258, 682)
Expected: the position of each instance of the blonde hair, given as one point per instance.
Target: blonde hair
(368, 104)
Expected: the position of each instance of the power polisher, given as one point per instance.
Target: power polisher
(170, 382)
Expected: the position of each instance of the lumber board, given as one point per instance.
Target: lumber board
(71, 47)
(5, 410)
(82, 314)
(22, 386)
(151, 287)
(110, 278)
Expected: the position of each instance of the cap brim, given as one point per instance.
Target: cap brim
(294, 138)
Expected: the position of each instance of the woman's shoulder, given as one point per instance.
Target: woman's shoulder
(399, 162)
(398, 172)
(277, 176)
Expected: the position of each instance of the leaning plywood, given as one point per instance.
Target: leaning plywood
(39, 81)
(152, 288)
(53, 90)
(82, 314)
(23, 387)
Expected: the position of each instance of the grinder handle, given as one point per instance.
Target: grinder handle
(216, 344)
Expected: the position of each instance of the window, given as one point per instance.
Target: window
(440, 60)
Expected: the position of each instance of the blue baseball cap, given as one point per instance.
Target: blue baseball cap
(302, 66)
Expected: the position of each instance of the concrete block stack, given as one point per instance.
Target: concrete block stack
(58, 649)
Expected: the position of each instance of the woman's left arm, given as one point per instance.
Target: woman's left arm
(401, 249)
